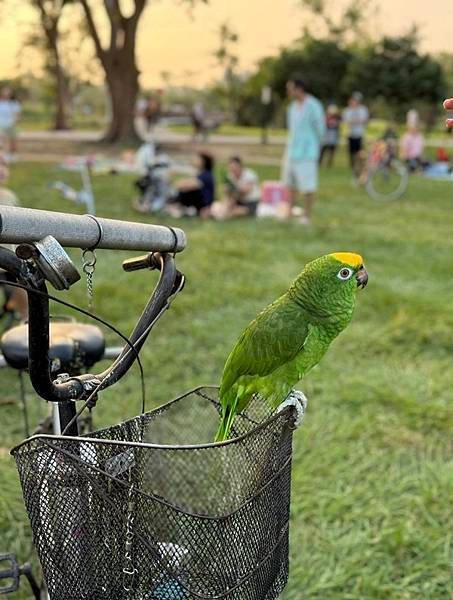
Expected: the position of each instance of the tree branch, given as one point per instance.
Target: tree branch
(139, 8)
(93, 31)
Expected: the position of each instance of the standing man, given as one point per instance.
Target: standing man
(306, 129)
(356, 118)
(448, 105)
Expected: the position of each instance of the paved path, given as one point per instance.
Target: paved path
(166, 136)
(163, 136)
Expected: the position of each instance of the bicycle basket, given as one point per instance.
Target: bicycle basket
(151, 510)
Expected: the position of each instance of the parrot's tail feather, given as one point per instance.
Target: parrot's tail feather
(226, 422)
(220, 435)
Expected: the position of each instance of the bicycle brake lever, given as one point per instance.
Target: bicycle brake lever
(146, 261)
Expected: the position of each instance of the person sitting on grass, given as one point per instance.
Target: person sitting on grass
(242, 190)
(195, 195)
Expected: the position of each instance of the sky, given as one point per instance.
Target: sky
(173, 41)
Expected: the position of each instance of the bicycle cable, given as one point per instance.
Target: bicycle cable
(99, 320)
(99, 386)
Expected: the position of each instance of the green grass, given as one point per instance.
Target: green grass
(372, 478)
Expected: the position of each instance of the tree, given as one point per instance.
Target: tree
(349, 26)
(395, 73)
(251, 110)
(50, 12)
(321, 63)
(446, 60)
(228, 60)
(119, 63)
(118, 59)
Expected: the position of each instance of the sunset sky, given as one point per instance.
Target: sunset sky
(170, 40)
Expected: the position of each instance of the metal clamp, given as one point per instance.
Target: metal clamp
(52, 261)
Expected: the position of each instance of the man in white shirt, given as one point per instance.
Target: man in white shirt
(355, 117)
(9, 113)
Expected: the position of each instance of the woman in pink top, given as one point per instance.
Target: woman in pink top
(411, 148)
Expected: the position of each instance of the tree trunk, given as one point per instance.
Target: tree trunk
(62, 97)
(120, 66)
(50, 17)
(122, 83)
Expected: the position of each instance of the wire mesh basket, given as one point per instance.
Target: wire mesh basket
(150, 509)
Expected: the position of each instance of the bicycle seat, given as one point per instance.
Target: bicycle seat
(75, 345)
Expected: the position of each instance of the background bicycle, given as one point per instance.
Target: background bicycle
(379, 171)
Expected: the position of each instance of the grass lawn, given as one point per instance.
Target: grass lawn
(373, 477)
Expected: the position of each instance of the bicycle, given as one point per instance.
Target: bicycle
(79, 346)
(384, 177)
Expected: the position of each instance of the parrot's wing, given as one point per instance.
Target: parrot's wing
(274, 338)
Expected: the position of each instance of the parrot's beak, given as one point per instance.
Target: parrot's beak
(362, 277)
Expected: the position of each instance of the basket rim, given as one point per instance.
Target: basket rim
(286, 411)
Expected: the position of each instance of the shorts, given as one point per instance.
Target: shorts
(301, 175)
(251, 206)
(9, 131)
(355, 145)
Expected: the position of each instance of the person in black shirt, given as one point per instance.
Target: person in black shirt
(195, 195)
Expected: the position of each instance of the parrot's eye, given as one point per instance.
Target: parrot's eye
(345, 274)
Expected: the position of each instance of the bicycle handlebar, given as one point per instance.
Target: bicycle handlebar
(22, 225)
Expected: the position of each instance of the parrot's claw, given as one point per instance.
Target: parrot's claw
(299, 401)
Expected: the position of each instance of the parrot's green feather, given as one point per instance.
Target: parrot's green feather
(274, 338)
(288, 338)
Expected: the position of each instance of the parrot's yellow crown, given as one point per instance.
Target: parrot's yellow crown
(349, 258)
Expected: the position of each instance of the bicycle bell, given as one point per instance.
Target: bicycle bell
(52, 261)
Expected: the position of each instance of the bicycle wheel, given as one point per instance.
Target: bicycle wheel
(388, 182)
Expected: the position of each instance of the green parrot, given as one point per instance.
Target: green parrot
(291, 335)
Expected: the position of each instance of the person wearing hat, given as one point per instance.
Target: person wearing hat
(356, 117)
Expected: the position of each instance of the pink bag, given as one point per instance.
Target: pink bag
(274, 193)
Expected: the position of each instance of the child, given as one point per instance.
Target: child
(332, 135)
